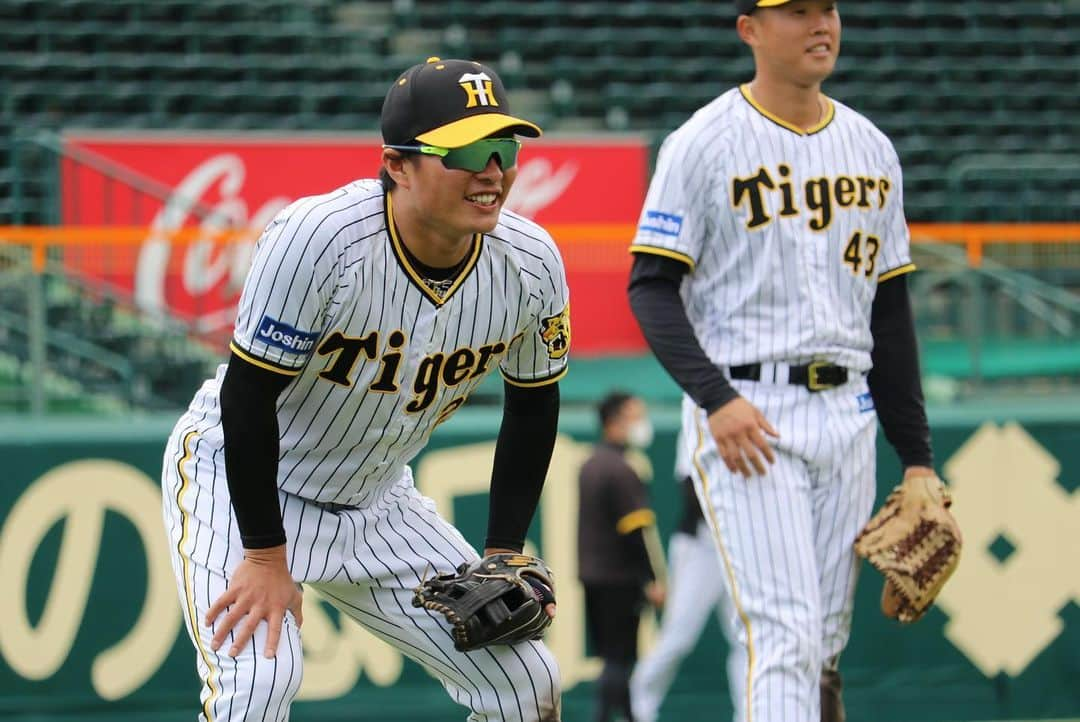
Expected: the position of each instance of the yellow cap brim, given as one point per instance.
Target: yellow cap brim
(771, 3)
(473, 128)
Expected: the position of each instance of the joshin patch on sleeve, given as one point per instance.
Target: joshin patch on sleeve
(282, 336)
(555, 333)
(664, 224)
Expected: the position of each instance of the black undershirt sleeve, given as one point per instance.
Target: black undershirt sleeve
(249, 423)
(522, 455)
(640, 552)
(894, 380)
(658, 307)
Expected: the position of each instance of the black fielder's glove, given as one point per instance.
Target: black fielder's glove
(499, 599)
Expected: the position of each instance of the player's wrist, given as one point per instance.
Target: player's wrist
(717, 396)
(267, 555)
(722, 403)
(919, 470)
(502, 549)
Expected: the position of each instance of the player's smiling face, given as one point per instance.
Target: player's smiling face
(798, 41)
(461, 201)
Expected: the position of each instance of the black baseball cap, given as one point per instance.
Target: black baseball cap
(745, 7)
(448, 103)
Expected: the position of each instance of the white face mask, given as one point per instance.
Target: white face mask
(640, 434)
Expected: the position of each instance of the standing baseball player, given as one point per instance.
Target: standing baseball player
(770, 280)
(369, 315)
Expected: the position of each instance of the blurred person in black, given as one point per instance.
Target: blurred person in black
(615, 524)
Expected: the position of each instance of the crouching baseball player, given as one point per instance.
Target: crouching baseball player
(369, 315)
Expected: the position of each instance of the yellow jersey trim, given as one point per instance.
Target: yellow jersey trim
(714, 526)
(235, 348)
(189, 583)
(665, 252)
(635, 520)
(537, 383)
(826, 117)
(907, 268)
(403, 259)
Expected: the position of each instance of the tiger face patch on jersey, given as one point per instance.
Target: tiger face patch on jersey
(555, 333)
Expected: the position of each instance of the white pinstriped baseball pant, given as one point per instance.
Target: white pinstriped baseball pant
(366, 562)
(785, 541)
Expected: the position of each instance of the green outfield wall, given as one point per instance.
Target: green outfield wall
(90, 627)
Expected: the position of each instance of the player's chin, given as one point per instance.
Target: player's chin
(484, 217)
(820, 66)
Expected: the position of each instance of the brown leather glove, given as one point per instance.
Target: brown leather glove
(915, 542)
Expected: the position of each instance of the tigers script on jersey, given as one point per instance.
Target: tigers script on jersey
(328, 299)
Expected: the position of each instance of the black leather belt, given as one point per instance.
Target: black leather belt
(816, 375)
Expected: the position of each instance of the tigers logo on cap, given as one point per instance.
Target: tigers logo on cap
(479, 88)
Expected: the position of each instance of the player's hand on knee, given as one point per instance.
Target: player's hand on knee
(260, 589)
(739, 429)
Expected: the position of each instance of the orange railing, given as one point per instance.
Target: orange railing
(975, 237)
(589, 244)
(40, 238)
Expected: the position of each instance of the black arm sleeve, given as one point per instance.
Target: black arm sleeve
(894, 380)
(655, 301)
(522, 455)
(639, 552)
(249, 422)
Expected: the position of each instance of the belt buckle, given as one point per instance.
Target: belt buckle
(813, 382)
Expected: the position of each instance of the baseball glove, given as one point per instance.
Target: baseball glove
(498, 600)
(914, 541)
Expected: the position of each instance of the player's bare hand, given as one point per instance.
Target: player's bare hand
(739, 429)
(261, 589)
(655, 593)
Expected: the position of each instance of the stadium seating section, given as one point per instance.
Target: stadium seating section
(100, 356)
(983, 80)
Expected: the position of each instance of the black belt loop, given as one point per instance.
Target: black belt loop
(815, 376)
(332, 506)
(747, 372)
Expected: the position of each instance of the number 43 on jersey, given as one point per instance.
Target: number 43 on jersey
(860, 252)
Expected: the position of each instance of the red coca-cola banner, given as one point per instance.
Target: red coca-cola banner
(587, 190)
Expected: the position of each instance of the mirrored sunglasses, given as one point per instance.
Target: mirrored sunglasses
(473, 157)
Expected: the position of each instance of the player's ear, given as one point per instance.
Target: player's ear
(396, 166)
(747, 29)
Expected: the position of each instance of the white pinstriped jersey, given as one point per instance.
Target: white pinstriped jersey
(380, 359)
(787, 232)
